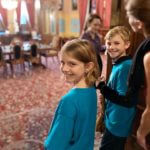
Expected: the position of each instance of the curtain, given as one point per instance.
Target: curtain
(31, 11)
(83, 6)
(3, 13)
(99, 7)
(103, 9)
(18, 12)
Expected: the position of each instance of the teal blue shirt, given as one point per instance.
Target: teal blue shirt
(118, 119)
(73, 126)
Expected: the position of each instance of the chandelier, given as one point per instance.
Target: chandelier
(9, 4)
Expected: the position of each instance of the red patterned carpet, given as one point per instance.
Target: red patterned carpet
(27, 104)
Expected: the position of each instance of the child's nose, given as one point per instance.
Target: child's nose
(65, 68)
(111, 46)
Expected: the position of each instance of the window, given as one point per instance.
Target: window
(24, 18)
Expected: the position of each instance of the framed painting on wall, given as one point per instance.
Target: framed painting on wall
(74, 5)
(61, 5)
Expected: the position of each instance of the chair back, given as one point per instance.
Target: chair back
(17, 52)
(34, 50)
(56, 42)
(1, 54)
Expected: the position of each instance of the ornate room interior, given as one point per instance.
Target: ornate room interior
(30, 93)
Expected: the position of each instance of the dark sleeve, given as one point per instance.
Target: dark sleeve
(83, 36)
(100, 64)
(114, 97)
(86, 36)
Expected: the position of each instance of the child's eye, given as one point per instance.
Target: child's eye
(61, 63)
(116, 43)
(108, 43)
(72, 64)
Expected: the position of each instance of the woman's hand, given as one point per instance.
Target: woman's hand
(141, 140)
(101, 79)
(100, 82)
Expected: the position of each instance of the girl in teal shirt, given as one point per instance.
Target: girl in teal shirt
(73, 126)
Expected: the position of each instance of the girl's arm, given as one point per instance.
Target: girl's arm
(144, 127)
(61, 131)
(60, 134)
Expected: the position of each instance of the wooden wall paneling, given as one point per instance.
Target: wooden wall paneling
(47, 21)
(10, 17)
(136, 39)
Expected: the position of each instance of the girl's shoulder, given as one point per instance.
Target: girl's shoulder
(69, 96)
(147, 58)
(75, 92)
(67, 106)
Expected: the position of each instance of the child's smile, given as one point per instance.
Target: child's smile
(73, 70)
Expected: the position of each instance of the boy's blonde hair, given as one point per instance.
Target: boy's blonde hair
(123, 31)
(83, 51)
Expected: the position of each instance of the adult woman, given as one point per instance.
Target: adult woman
(138, 12)
(91, 33)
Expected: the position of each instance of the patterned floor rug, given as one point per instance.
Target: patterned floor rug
(27, 105)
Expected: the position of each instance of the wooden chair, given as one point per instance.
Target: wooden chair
(2, 62)
(54, 50)
(33, 57)
(17, 59)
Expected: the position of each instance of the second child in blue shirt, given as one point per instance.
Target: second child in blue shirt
(118, 118)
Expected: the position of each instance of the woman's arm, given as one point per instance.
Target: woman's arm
(144, 127)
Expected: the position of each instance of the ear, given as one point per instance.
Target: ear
(139, 24)
(128, 44)
(89, 66)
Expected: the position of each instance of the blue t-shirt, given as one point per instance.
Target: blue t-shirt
(73, 126)
(118, 119)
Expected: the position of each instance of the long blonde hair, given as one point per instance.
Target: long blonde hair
(83, 51)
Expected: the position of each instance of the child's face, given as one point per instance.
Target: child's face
(73, 69)
(116, 47)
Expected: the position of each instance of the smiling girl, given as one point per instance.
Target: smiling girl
(73, 126)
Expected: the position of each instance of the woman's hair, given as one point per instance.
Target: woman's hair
(119, 30)
(90, 19)
(83, 51)
(140, 9)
